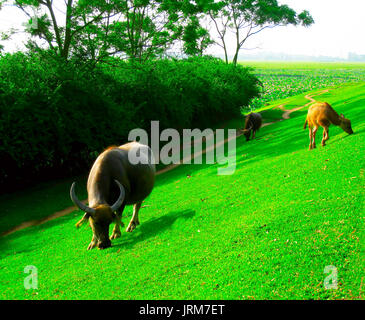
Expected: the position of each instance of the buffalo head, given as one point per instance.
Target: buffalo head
(345, 124)
(99, 217)
(247, 132)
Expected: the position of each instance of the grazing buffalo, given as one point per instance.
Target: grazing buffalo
(115, 181)
(253, 123)
(322, 114)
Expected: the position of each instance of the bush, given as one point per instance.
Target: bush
(55, 117)
(195, 92)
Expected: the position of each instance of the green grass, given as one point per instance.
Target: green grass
(265, 232)
(286, 79)
(36, 202)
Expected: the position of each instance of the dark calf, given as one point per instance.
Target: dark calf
(253, 122)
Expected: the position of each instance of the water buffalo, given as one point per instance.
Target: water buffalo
(253, 122)
(115, 181)
(322, 114)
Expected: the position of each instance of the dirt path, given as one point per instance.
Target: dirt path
(32, 223)
(285, 116)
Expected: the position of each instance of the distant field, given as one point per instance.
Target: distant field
(285, 79)
(303, 65)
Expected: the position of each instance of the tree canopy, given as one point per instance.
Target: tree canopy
(96, 29)
(141, 30)
(245, 18)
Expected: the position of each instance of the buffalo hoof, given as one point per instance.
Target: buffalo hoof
(115, 235)
(92, 245)
(104, 245)
(132, 225)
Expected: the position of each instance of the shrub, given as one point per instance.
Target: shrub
(194, 92)
(55, 117)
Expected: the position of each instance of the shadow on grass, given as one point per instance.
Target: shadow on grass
(37, 202)
(15, 244)
(279, 138)
(151, 228)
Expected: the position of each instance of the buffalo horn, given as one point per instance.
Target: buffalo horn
(78, 203)
(119, 202)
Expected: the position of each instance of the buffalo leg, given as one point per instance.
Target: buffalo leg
(118, 223)
(93, 243)
(310, 138)
(325, 136)
(314, 137)
(134, 221)
(253, 134)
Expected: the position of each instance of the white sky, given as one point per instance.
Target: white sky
(339, 28)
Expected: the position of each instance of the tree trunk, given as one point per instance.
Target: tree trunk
(67, 43)
(235, 57)
(225, 52)
(48, 4)
(237, 43)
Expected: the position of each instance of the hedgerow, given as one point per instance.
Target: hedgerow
(56, 116)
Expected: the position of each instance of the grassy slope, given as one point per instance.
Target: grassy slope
(266, 232)
(37, 202)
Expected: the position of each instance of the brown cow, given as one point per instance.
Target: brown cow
(116, 179)
(322, 114)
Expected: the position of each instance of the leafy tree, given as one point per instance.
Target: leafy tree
(196, 38)
(147, 28)
(245, 18)
(96, 29)
(48, 31)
